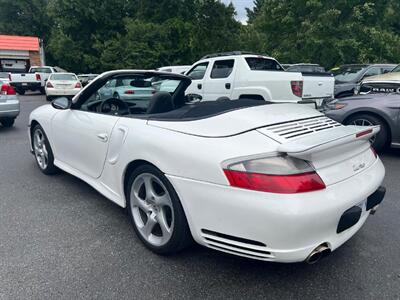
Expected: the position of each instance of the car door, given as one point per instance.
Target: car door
(197, 74)
(81, 138)
(220, 81)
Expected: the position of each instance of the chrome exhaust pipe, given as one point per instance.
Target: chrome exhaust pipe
(320, 252)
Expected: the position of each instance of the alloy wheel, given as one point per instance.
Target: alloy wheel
(39, 146)
(152, 209)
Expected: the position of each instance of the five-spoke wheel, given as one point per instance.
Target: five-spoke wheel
(157, 214)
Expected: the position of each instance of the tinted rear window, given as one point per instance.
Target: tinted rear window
(263, 64)
(40, 70)
(63, 77)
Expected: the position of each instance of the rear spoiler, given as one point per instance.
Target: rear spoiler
(323, 140)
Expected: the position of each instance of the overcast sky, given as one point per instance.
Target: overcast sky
(240, 6)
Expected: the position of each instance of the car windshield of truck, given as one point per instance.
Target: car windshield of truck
(40, 70)
(63, 77)
(348, 73)
(397, 69)
(263, 64)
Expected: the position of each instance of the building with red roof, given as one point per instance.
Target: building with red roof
(18, 53)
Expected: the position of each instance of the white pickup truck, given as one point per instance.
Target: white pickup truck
(34, 80)
(238, 75)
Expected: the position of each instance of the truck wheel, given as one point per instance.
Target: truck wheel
(42, 91)
(382, 138)
(7, 122)
(21, 92)
(49, 98)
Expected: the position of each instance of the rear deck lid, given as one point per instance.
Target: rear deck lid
(240, 120)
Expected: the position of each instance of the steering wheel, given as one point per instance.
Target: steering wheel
(114, 106)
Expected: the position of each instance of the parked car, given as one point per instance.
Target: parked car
(266, 181)
(62, 84)
(34, 80)
(385, 83)
(9, 104)
(5, 77)
(370, 110)
(348, 76)
(316, 82)
(85, 79)
(238, 75)
(174, 69)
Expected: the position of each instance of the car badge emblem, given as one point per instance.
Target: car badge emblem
(357, 167)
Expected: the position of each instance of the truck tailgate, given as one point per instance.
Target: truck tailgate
(318, 86)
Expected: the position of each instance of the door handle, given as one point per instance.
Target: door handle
(199, 86)
(103, 137)
(227, 86)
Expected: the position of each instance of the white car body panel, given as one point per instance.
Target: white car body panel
(191, 155)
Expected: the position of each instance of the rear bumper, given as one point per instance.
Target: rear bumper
(272, 227)
(32, 86)
(9, 109)
(61, 92)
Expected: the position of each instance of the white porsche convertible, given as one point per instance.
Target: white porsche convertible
(275, 182)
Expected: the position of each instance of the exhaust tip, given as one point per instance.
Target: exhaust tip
(320, 252)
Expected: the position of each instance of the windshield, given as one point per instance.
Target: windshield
(63, 77)
(397, 69)
(40, 70)
(348, 73)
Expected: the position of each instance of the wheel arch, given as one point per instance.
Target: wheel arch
(252, 96)
(131, 167)
(373, 114)
(32, 126)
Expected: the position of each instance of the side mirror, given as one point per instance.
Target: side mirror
(61, 103)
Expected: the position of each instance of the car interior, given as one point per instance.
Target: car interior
(156, 97)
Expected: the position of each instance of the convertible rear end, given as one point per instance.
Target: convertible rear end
(297, 201)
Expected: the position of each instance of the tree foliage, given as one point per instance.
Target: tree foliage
(98, 35)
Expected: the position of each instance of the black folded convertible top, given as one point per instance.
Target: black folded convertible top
(202, 110)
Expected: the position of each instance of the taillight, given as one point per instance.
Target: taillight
(279, 174)
(78, 85)
(38, 77)
(49, 85)
(7, 89)
(297, 88)
(129, 92)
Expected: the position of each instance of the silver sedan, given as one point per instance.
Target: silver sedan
(367, 110)
(9, 104)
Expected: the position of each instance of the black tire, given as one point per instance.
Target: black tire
(116, 96)
(50, 168)
(49, 98)
(20, 91)
(181, 237)
(382, 138)
(8, 122)
(42, 91)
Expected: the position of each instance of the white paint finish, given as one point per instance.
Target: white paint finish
(193, 165)
(240, 120)
(76, 140)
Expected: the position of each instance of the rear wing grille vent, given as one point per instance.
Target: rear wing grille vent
(291, 130)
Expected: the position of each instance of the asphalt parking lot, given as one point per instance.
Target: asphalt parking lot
(61, 239)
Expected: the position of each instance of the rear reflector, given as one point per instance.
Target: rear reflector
(7, 89)
(280, 184)
(129, 92)
(362, 133)
(38, 77)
